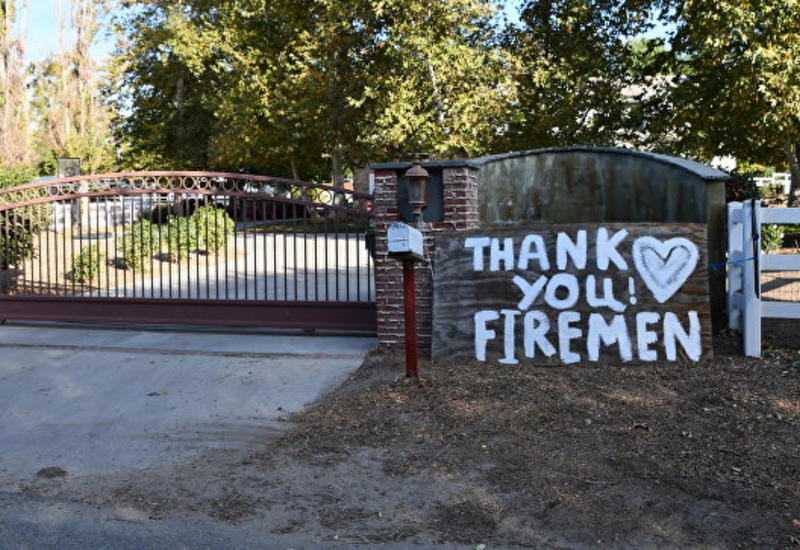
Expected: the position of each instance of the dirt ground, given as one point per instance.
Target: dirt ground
(571, 457)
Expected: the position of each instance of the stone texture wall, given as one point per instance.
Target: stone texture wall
(460, 212)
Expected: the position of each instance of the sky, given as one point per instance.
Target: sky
(43, 32)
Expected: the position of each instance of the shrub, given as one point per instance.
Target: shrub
(212, 227)
(771, 238)
(206, 229)
(16, 241)
(86, 265)
(182, 238)
(35, 218)
(140, 244)
(765, 192)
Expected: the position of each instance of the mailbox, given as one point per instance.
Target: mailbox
(405, 242)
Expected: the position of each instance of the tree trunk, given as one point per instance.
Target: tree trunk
(337, 167)
(295, 174)
(793, 156)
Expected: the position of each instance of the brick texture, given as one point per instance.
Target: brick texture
(460, 212)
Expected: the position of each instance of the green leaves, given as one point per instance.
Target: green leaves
(740, 91)
(288, 86)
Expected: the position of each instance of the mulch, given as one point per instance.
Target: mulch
(632, 456)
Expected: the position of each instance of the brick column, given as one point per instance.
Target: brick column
(460, 212)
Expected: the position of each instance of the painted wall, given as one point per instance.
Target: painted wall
(585, 185)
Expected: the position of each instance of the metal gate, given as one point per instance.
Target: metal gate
(187, 248)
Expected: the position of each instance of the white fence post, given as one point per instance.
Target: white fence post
(751, 281)
(734, 267)
(745, 264)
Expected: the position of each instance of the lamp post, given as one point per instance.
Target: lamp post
(417, 184)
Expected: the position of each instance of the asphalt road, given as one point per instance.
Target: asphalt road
(28, 522)
(106, 401)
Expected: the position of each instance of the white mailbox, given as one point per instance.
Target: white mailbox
(405, 242)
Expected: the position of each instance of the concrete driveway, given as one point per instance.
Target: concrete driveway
(93, 401)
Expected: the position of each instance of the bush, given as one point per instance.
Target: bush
(212, 227)
(140, 244)
(771, 238)
(16, 241)
(86, 265)
(182, 238)
(765, 192)
(206, 229)
(34, 218)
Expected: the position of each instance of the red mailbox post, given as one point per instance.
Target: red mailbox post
(405, 244)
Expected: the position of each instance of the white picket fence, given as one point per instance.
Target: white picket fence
(783, 179)
(746, 262)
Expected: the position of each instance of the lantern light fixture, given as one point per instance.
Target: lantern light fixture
(417, 183)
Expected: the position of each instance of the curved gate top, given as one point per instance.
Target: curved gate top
(187, 248)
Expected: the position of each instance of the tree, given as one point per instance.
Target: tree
(576, 65)
(71, 116)
(164, 109)
(447, 87)
(14, 112)
(739, 87)
(289, 85)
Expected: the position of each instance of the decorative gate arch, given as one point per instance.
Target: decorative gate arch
(187, 248)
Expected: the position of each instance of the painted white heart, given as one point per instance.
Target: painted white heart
(664, 265)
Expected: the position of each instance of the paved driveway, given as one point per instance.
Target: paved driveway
(108, 401)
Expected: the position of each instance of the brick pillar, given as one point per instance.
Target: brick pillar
(460, 211)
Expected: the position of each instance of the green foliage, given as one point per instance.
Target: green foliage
(21, 223)
(72, 117)
(212, 227)
(32, 218)
(139, 245)
(206, 229)
(12, 177)
(739, 87)
(575, 64)
(86, 265)
(769, 191)
(16, 241)
(741, 187)
(312, 194)
(647, 57)
(182, 238)
(771, 238)
(288, 86)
